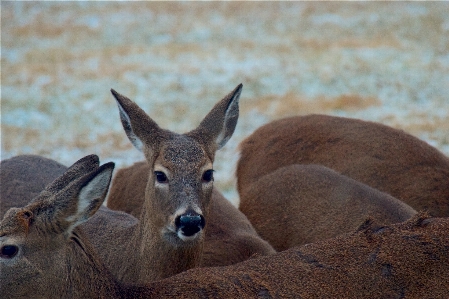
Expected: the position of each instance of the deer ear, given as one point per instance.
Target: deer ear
(219, 124)
(139, 127)
(90, 192)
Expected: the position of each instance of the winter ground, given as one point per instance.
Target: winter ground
(380, 61)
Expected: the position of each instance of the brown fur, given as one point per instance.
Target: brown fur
(230, 238)
(384, 158)
(300, 204)
(407, 260)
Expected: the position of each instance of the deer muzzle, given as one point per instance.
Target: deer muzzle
(189, 224)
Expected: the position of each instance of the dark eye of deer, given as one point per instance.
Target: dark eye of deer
(8, 251)
(208, 176)
(161, 177)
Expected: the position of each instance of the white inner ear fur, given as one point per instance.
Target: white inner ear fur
(95, 189)
(126, 121)
(231, 115)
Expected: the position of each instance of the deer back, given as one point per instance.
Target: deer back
(300, 204)
(384, 158)
(23, 177)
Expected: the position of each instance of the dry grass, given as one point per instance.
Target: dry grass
(381, 61)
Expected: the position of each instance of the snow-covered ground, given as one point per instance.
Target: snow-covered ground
(381, 61)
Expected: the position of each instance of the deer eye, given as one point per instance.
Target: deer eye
(208, 176)
(8, 251)
(161, 177)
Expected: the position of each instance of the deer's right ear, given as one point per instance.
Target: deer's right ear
(139, 127)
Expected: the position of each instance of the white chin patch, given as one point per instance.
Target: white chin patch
(188, 238)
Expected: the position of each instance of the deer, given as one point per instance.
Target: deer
(44, 253)
(300, 204)
(377, 155)
(172, 192)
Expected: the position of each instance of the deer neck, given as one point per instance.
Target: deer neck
(91, 278)
(158, 257)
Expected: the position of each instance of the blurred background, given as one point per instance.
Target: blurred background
(380, 61)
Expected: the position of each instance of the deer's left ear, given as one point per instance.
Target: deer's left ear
(219, 124)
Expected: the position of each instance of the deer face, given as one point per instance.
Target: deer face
(180, 187)
(18, 256)
(180, 182)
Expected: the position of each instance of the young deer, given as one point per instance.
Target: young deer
(44, 254)
(173, 192)
(301, 204)
(384, 158)
(180, 188)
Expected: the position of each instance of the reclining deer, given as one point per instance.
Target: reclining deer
(178, 170)
(45, 254)
(276, 181)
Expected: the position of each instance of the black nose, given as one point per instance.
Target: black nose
(190, 223)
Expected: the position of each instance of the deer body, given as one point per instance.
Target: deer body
(301, 204)
(44, 254)
(407, 260)
(384, 158)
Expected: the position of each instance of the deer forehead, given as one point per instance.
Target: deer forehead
(15, 221)
(184, 154)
